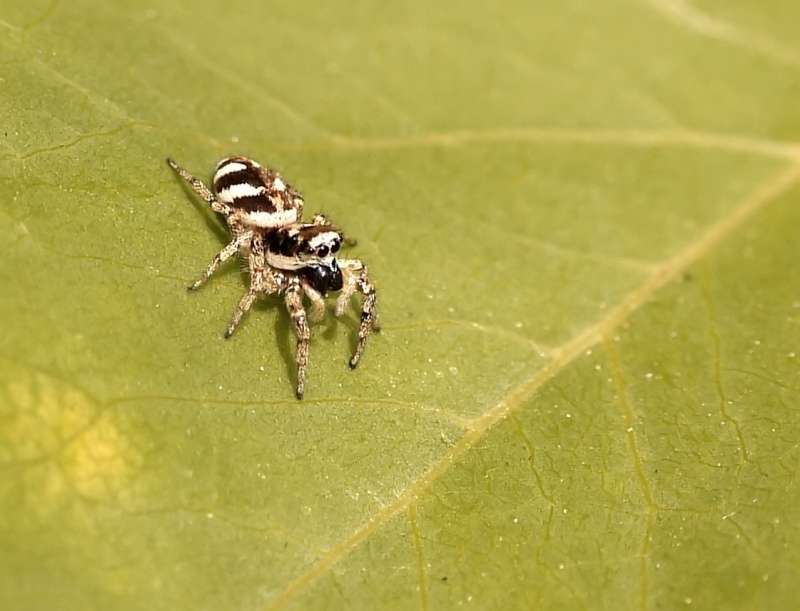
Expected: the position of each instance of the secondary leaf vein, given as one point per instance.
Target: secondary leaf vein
(562, 357)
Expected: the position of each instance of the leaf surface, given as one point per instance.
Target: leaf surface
(581, 219)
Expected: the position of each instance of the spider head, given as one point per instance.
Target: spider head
(308, 249)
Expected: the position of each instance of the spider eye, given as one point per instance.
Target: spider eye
(335, 247)
(323, 251)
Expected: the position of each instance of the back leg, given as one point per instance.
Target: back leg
(203, 191)
(221, 208)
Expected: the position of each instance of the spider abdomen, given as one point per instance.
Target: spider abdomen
(259, 197)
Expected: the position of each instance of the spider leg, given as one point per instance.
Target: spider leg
(322, 219)
(203, 191)
(262, 280)
(245, 304)
(222, 256)
(294, 303)
(317, 302)
(356, 278)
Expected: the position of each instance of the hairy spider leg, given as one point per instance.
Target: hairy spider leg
(203, 191)
(222, 256)
(317, 301)
(240, 239)
(245, 303)
(294, 303)
(356, 278)
(263, 279)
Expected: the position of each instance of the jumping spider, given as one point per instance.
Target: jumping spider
(285, 255)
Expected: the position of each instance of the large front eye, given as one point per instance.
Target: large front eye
(335, 247)
(323, 251)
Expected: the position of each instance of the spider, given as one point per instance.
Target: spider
(285, 256)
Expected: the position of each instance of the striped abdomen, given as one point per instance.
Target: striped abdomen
(258, 196)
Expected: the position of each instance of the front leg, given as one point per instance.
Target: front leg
(317, 301)
(356, 278)
(294, 303)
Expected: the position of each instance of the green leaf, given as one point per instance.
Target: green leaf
(581, 218)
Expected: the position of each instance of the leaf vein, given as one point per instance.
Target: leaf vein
(562, 357)
(419, 551)
(716, 344)
(683, 13)
(637, 138)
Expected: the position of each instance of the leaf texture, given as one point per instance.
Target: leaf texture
(581, 219)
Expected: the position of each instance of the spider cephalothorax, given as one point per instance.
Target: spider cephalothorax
(285, 256)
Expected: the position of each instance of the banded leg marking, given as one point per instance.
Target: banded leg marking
(294, 303)
(222, 256)
(245, 303)
(199, 188)
(357, 279)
